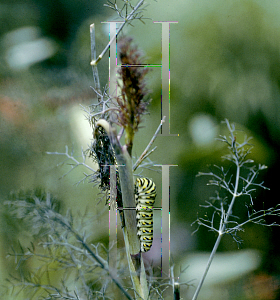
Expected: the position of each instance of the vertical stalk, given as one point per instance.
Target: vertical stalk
(221, 233)
(139, 283)
(93, 57)
(132, 243)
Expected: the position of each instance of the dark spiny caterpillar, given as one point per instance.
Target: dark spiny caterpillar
(145, 194)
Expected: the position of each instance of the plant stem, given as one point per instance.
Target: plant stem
(93, 58)
(132, 243)
(94, 62)
(139, 283)
(145, 152)
(207, 266)
(221, 232)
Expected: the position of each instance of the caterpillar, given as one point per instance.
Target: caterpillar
(145, 194)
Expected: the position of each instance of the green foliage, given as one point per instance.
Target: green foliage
(62, 256)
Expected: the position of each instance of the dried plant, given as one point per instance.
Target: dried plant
(133, 100)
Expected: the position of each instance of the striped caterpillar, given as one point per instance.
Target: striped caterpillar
(145, 194)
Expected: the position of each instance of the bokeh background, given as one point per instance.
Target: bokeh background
(224, 63)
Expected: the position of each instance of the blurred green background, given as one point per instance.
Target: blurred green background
(224, 63)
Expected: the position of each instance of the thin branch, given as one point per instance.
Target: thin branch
(53, 219)
(93, 58)
(129, 18)
(77, 163)
(145, 152)
(237, 156)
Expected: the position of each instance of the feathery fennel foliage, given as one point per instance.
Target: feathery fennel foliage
(235, 187)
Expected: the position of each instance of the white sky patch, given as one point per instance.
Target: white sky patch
(203, 130)
(25, 47)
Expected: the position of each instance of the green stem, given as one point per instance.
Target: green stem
(221, 233)
(131, 239)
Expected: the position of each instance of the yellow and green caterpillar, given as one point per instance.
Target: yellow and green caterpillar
(145, 194)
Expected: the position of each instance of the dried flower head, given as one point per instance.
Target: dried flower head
(133, 100)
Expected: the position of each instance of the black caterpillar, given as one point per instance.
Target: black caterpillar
(145, 194)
